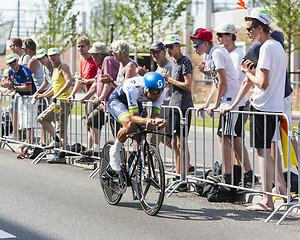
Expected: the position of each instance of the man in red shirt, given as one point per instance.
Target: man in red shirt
(88, 69)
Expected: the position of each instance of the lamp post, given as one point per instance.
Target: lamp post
(111, 30)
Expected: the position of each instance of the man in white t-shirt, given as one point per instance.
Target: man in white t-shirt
(224, 91)
(268, 94)
(226, 36)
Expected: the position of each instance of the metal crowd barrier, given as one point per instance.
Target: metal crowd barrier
(23, 120)
(203, 139)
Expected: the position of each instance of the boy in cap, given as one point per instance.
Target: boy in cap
(268, 93)
(20, 82)
(226, 35)
(181, 80)
(158, 53)
(224, 91)
(61, 88)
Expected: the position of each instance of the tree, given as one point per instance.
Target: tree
(285, 13)
(102, 22)
(59, 29)
(143, 21)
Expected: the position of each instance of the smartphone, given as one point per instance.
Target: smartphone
(252, 58)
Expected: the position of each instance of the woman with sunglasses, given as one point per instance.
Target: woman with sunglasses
(123, 105)
(181, 80)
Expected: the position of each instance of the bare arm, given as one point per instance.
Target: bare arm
(186, 85)
(130, 70)
(33, 65)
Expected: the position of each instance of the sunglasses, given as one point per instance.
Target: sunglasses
(155, 91)
(115, 50)
(220, 35)
(250, 29)
(170, 46)
(12, 45)
(196, 46)
(80, 46)
(155, 52)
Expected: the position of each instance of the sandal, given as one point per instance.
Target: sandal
(259, 207)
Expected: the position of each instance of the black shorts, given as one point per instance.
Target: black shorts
(176, 128)
(260, 129)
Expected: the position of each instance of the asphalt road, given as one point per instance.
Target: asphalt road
(46, 202)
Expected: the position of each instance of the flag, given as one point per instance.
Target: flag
(284, 143)
(242, 5)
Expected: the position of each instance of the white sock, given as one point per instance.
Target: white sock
(118, 144)
(95, 147)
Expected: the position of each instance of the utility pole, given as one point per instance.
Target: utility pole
(18, 28)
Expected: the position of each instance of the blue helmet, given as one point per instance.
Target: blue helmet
(154, 82)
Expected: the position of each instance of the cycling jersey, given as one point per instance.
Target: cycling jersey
(127, 98)
(22, 77)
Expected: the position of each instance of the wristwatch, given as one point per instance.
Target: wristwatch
(111, 83)
(15, 87)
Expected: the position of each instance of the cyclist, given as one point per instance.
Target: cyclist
(125, 105)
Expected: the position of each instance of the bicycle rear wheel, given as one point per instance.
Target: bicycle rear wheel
(108, 180)
(151, 181)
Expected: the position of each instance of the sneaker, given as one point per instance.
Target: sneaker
(90, 153)
(53, 144)
(114, 157)
(85, 160)
(248, 180)
(22, 155)
(12, 137)
(183, 187)
(191, 169)
(57, 160)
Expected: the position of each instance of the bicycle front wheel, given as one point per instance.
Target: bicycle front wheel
(151, 181)
(109, 183)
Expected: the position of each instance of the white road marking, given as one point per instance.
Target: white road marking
(5, 235)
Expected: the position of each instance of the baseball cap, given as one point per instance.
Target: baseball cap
(41, 53)
(202, 34)
(260, 14)
(53, 51)
(158, 46)
(10, 58)
(226, 28)
(170, 39)
(98, 47)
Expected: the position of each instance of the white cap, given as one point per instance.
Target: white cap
(226, 28)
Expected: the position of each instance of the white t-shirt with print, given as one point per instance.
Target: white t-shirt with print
(273, 58)
(237, 57)
(219, 58)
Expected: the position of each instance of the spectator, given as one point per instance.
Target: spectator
(158, 53)
(254, 50)
(181, 81)
(128, 67)
(226, 36)
(108, 66)
(224, 91)
(42, 57)
(16, 47)
(61, 88)
(268, 94)
(20, 82)
(88, 70)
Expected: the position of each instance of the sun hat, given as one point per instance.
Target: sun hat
(260, 14)
(226, 28)
(41, 53)
(171, 39)
(98, 47)
(10, 58)
(53, 51)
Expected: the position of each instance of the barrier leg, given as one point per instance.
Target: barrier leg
(287, 212)
(95, 172)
